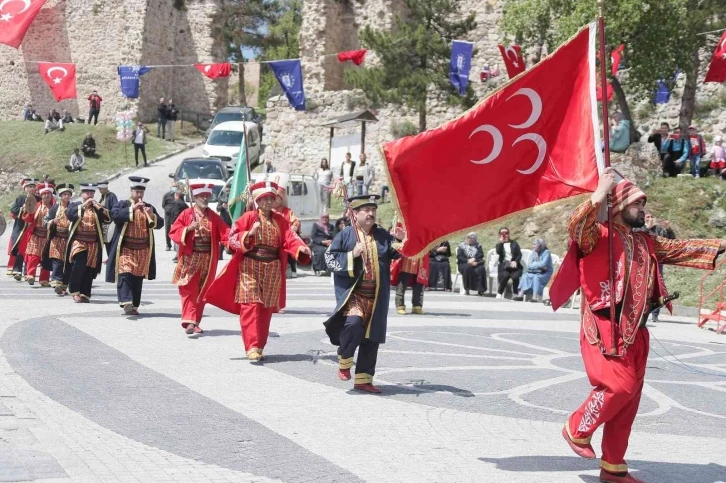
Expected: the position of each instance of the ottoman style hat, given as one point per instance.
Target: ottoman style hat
(624, 194)
(46, 188)
(360, 201)
(63, 188)
(88, 187)
(138, 183)
(262, 189)
(201, 188)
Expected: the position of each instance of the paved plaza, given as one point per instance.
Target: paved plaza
(475, 390)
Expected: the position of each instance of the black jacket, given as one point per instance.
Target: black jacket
(516, 252)
(162, 112)
(177, 206)
(90, 142)
(352, 169)
(166, 201)
(461, 257)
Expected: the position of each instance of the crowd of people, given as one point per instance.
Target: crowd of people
(678, 150)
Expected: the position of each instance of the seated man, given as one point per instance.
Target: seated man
(89, 145)
(76, 163)
(54, 122)
(619, 133)
(66, 117)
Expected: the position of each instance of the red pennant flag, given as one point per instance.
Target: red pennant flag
(61, 78)
(513, 60)
(615, 57)
(357, 56)
(532, 142)
(215, 70)
(717, 68)
(598, 92)
(15, 19)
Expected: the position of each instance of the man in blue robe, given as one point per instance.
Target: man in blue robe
(361, 265)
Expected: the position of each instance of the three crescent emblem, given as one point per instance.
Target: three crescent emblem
(515, 60)
(537, 139)
(57, 80)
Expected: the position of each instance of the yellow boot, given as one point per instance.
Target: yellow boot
(401, 310)
(417, 310)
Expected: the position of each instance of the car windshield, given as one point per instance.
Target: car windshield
(200, 169)
(225, 138)
(228, 116)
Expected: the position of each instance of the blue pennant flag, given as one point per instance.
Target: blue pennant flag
(129, 75)
(289, 75)
(663, 94)
(461, 53)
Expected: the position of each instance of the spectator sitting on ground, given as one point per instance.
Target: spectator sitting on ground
(619, 133)
(677, 148)
(718, 156)
(89, 145)
(660, 139)
(539, 271)
(67, 117)
(54, 122)
(697, 151)
(29, 113)
(76, 163)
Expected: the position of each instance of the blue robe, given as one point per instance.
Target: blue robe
(348, 271)
(121, 216)
(539, 272)
(74, 213)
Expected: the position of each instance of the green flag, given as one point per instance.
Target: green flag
(239, 182)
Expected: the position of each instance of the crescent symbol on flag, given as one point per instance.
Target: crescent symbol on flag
(723, 43)
(511, 49)
(26, 4)
(207, 68)
(536, 102)
(498, 143)
(52, 69)
(541, 148)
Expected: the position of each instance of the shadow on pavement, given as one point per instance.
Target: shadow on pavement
(310, 357)
(419, 388)
(647, 470)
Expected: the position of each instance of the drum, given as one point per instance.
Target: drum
(3, 223)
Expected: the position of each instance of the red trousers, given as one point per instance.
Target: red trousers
(32, 264)
(192, 311)
(614, 401)
(254, 321)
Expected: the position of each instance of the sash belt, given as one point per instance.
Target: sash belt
(263, 253)
(135, 243)
(367, 289)
(61, 233)
(40, 232)
(203, 245)
(87, 236)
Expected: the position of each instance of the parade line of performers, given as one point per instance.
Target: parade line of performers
(65, 241)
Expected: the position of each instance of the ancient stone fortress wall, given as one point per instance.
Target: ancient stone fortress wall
(99, 35)
(296, 141)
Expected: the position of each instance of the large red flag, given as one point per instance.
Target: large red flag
(513, 60)
(15, 19)
(532, 142)
(356, 56)
(61, 78)
(214, 70)
(717, 69)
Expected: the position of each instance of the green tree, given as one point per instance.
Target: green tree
(413, 58)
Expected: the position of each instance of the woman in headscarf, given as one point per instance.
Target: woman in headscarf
(470, 259)
(539, 271)
(439, 266)
(322, 236)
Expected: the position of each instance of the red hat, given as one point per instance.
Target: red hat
(46, 188)
(201, 188)
(262, 189)
(624, 194)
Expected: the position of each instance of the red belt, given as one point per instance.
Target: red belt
(135, 243)
(263, 253)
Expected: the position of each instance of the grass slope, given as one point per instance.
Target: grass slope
(26, 150)
(687, 203)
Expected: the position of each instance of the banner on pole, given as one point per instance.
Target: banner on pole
(460, 66)
(129, 75)
(289, 75)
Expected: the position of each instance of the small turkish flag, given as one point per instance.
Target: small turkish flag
(533, 142)
(357, 56)
(717, 69)
(513, 60)
(61, 78)
(598, 91)
(15, 19)
(615, 57)
(214, 70)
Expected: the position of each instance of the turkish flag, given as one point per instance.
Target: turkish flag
(598, 91)
(15, 19)
(214, 70)
(717, 68)
(615, 57)
(513, 60)
(357, 56)
(532, 142)
(61, 78)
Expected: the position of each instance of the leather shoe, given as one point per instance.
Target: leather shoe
(344, 374)
(367, 388)
(607, 477)
(581, 450)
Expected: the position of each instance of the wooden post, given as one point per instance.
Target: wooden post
(330, 147)
(363, 137)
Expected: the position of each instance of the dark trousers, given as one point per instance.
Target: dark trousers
(88, 150)
(167, 227)
(292, 263)
(671, 167)
(403, 281)
(18, 265)
(352, 336)
(108, 248)
(473, 278)
(505, 273)
(93, 114)
(129, 289)
(81, 278)
(137, 148)
(161, 128)
(61, 272)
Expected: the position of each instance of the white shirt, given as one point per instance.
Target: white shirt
(325, 176)
(346, 172)
(508, 252)
(139, 139)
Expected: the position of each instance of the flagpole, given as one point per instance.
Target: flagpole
(606, 139)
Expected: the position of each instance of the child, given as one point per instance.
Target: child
(718, 156)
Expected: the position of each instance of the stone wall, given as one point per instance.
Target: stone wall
(100, 35)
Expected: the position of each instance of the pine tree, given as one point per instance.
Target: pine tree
(413, 58)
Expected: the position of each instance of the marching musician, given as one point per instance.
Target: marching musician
(37, 235)
(24, 203)
(54, 252)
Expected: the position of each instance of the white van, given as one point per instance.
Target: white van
(302, 197)
(225, 141)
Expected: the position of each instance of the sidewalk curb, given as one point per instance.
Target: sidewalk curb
(157, 159)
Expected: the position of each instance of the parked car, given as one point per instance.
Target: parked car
(236, 113)
(302, 197)
(203, 170)
(225, 141)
